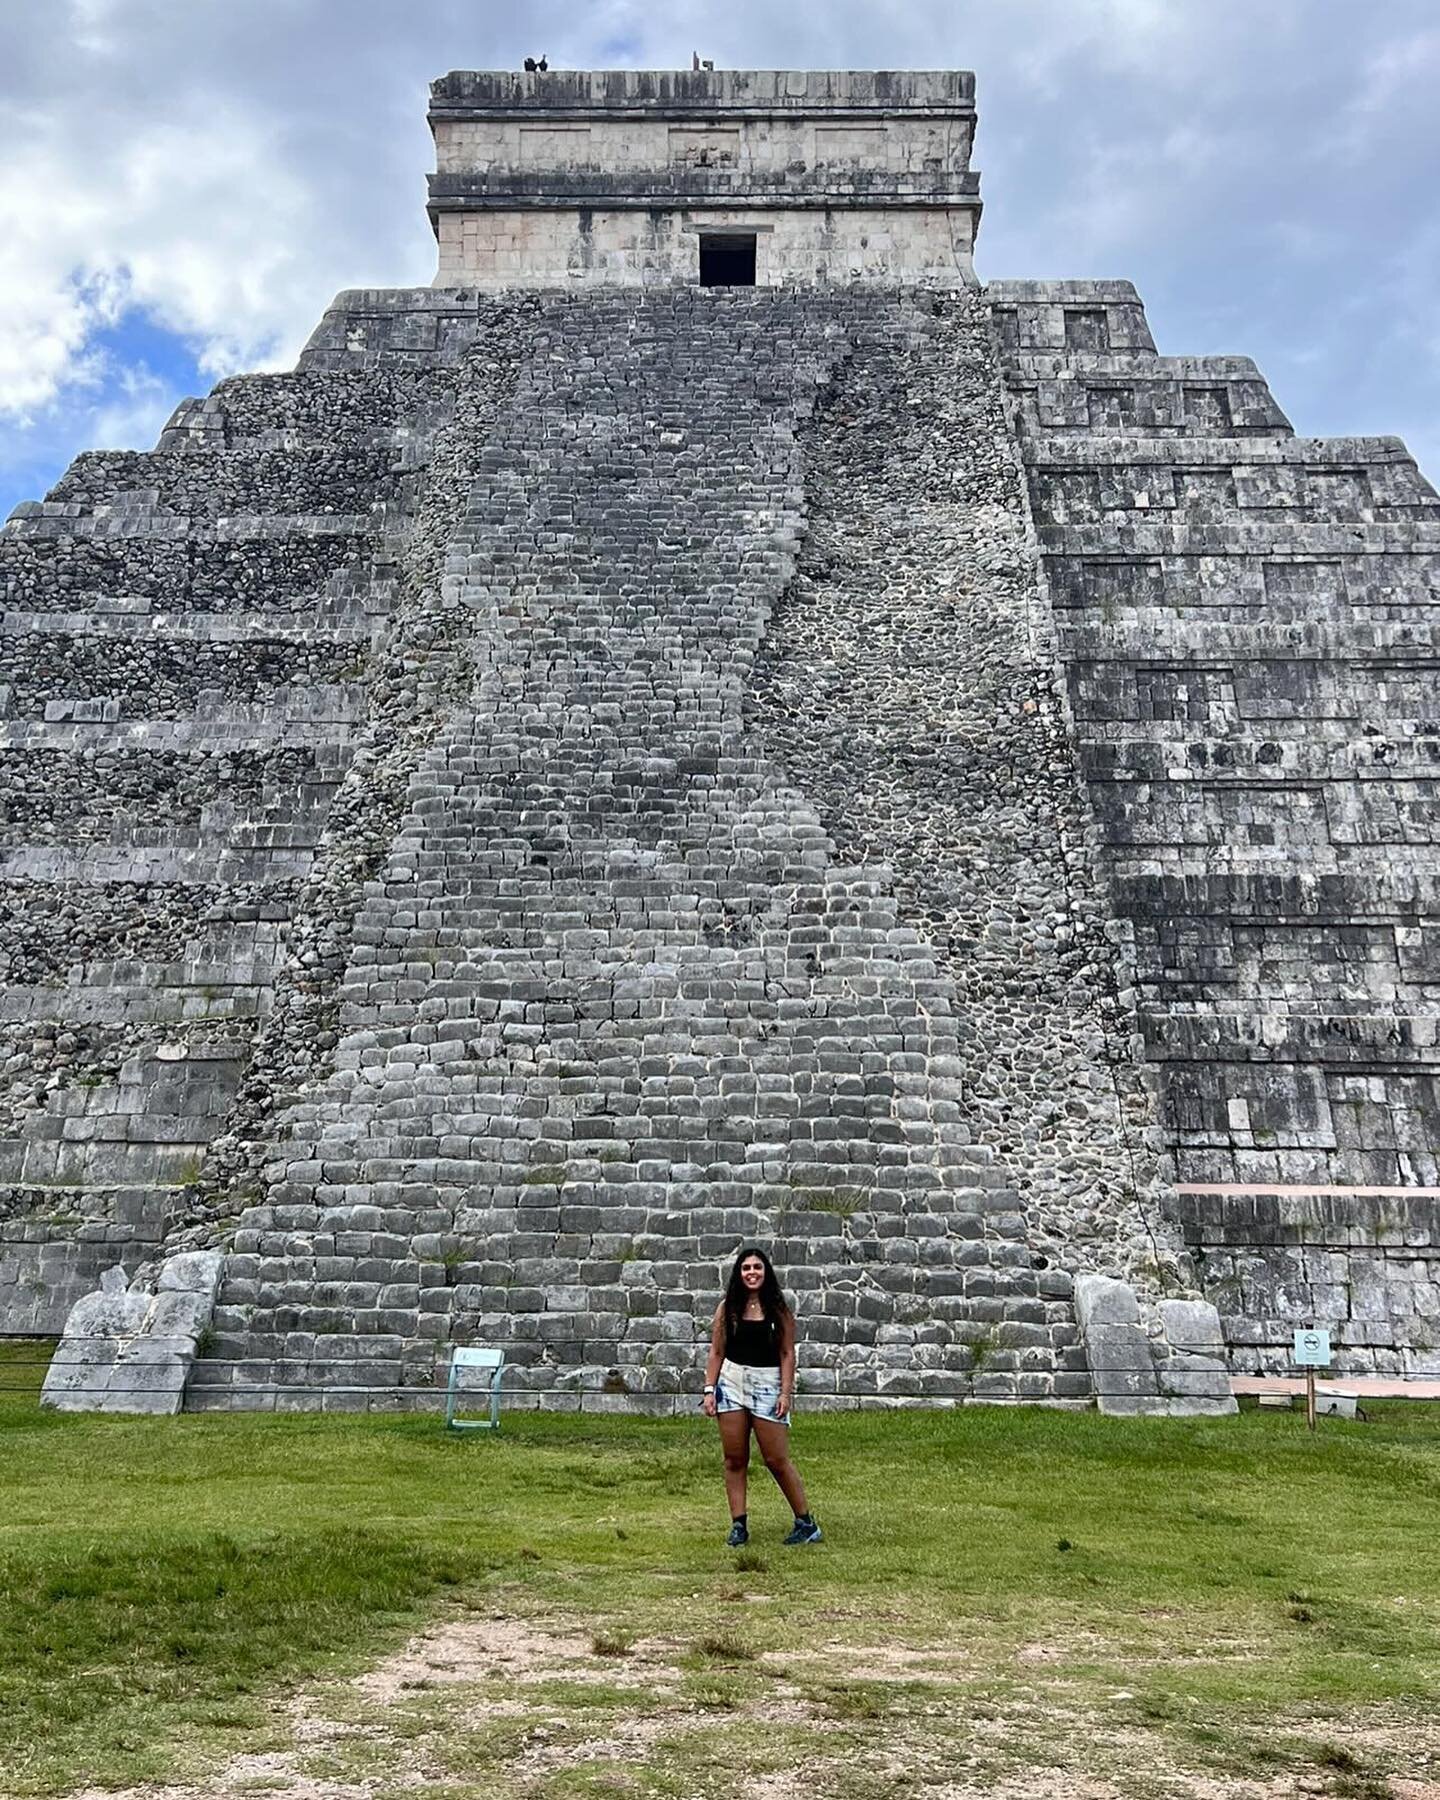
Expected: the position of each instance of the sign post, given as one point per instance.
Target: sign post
(1312, 1351)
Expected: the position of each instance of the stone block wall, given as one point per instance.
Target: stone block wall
(500, 248)
(189, 660)
(1247, 625)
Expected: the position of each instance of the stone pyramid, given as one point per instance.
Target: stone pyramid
(601, 765)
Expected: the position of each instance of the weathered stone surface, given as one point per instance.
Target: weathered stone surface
(193, 1272)
(1102, 1302)
(1192, 1325)
(130, 1346)
(1122, 1369)
(1247, 626)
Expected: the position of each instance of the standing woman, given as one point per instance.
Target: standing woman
(750, 1386)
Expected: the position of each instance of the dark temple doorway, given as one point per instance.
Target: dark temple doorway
(727, 259)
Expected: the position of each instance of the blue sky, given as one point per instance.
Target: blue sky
(185, 183)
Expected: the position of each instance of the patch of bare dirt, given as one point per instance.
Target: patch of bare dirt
(390, 1727)
(465, 1651)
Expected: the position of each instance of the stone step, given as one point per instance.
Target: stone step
(310, 412)
(1331, 753)
(205, 484)
(1123, 397)
(70, 524)
(131, 679)
(329, 742)
(1059, 317)
(1260, 460)
(63, 907)
(121, 622)
(295, 822)
(56, 1244)
(1150, 538)
(1196, 859)
(248, 565)
(1270, 1028)
(393, 335)
(307, 1387)
(89, 1163)
(1191, 653)
(1294, 894)
(1125, 497)
(1298, 593)
(82, 1002)
(322, 706)
(51, 865)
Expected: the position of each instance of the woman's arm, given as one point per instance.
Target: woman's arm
(787, 1365)
(714, 1359)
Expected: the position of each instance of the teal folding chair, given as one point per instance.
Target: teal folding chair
(486, 1363)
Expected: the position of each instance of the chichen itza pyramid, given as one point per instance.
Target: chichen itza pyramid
(704, 724)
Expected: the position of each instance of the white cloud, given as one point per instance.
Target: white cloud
(1408, 62)
(197, 221)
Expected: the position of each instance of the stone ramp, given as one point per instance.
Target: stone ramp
(614, 1005)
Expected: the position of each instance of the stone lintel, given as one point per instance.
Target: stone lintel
(510, 192)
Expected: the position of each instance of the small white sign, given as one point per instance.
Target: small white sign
(1312, 1349)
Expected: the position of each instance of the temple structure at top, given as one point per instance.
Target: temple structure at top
(720, 177)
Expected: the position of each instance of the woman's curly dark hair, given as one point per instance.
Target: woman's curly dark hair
(777, 1308)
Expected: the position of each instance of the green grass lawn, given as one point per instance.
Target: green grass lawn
(1235, 1592)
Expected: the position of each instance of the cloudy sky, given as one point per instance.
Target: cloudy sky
(185, 183)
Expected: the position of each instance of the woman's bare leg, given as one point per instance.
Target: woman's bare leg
(774, 1442)
(735, 1444)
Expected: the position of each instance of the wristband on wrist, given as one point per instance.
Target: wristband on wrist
(709, 1388)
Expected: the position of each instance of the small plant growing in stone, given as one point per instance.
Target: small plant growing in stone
(844, 1203)
(610, 1643)
(453, 1259)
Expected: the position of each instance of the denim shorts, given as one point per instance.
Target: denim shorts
(742, 1387)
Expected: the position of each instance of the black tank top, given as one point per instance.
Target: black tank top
(754, 1342)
